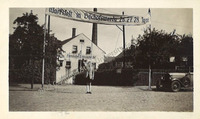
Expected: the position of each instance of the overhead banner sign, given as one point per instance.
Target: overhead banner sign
(96, 17)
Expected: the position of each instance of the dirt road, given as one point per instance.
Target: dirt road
(103, 98)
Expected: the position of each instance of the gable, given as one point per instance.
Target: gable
(78, 37)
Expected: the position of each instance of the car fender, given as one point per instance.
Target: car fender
(177, 79)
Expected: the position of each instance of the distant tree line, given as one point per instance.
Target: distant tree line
(26, 52)
(154, 48)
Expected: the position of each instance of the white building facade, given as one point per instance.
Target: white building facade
(76, 49)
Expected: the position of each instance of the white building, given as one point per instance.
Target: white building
(75, 49)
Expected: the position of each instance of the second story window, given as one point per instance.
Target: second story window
(88, 50)
(74, 49)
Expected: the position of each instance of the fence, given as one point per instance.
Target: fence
(124, 77)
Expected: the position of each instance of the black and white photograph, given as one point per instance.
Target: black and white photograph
(133, 60)
(97, 59)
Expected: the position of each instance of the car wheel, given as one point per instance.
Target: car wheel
(175, 86)
(186, 81)
(158, 87)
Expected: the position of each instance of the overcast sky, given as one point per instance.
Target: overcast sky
(109, 36)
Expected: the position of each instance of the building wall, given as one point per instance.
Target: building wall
(97, 53)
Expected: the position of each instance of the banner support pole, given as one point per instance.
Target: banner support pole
(43, 60)
(150, 71)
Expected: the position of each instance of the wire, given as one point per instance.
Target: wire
(117, 39)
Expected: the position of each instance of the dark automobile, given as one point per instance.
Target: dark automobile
(174, 81)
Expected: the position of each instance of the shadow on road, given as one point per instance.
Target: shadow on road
(18, 87)
(155, 90)
(146, 89)
(23, 90)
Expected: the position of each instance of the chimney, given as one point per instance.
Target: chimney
(94, 31)
(73, 32)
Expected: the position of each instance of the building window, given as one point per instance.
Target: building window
(81, 40)
(68, 64)
(74, 49)
(95, 66)
(88, 50)
(61, 63)
(81, 64)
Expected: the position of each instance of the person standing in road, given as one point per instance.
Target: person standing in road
(89, 76)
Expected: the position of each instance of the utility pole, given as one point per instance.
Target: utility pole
(48, 25)
(124, 57)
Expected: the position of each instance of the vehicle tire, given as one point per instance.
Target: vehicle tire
(175, 86)
(158, 85)
(186, 81)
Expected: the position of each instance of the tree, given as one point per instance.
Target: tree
(52, 51)
(26, 44)
(185, 49)
(26, 51)
(155, 47)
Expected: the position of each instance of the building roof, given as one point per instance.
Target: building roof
(69, 39)
(108, 59)
(129, 51)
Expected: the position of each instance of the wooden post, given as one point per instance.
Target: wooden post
(149, 77)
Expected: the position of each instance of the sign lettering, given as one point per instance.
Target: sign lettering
(96, 17)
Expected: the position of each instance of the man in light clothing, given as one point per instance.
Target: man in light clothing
(89, 76)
